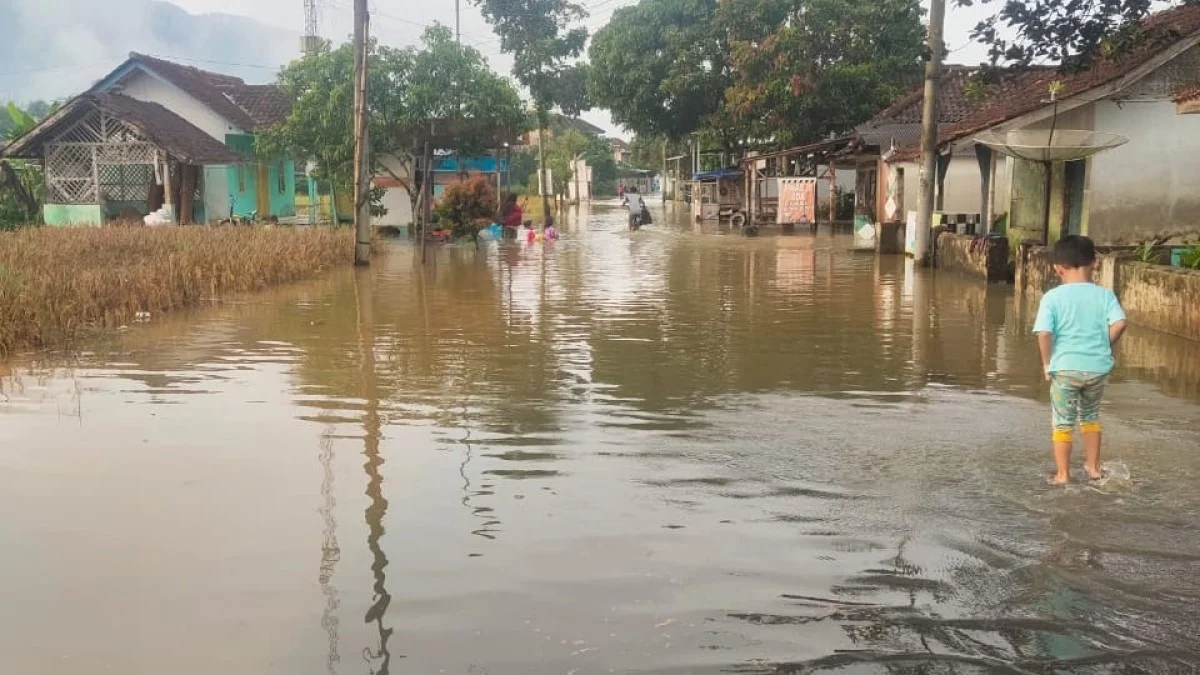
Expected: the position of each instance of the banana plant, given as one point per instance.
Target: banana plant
(21, 183)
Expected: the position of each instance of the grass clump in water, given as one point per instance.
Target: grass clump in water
(58, 284)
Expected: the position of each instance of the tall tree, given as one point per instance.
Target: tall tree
(661, 67)
(544, 42)
(440, 80)
(805, 69)
(1071, 34)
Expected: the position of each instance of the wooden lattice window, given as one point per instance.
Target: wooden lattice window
(98, 158)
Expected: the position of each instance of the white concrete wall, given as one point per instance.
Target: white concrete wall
(962, 186)
(396, 199)
(145, 87)
(216, 192)
(1150, 185)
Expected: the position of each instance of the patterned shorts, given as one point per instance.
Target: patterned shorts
(1075, 397)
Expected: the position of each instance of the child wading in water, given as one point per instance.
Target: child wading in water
(549, 233)
(1077, 326)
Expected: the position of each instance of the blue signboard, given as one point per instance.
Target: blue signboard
(474, 164)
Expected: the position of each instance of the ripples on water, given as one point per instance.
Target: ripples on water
(674, 452)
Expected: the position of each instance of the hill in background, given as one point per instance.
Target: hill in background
(51, 49)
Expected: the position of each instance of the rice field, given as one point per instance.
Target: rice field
(61, 284)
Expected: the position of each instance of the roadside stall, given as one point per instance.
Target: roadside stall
(716, 195)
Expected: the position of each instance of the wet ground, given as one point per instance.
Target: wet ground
(676, 451)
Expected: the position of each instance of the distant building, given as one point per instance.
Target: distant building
(155, 133)
(620, 150)
(396, 181)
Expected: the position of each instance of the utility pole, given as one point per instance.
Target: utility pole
(362, 153)
(662, 181)
(457, 21)
(929, 130)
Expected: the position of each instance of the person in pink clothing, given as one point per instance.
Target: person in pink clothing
(530, 233)
(549, 233)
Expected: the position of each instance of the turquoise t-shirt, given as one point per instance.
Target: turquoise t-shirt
(1078, 316)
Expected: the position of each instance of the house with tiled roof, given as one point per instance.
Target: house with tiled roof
(884, 177)
(621, 152)
(155, 134)
(1149, 187)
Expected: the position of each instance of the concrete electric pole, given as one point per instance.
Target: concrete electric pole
(929, 130)
(362, 152)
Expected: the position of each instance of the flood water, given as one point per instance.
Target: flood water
(676, 451)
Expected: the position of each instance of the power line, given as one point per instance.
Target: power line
(46, 69)
(171, 57)
(410, 22)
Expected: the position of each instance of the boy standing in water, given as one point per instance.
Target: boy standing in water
(1077, 326)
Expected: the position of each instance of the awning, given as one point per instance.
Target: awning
(717, 174)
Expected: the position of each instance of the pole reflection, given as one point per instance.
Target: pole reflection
(331, 553)
(378, 659)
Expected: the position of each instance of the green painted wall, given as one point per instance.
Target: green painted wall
(243, 177)
(1026, 215)
(72, 214)
(283, 192)
(1058, 201)
(243, 185)
(243, 182)
(1026, 205)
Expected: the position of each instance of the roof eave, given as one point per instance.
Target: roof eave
(1084, 97)
(21, 147)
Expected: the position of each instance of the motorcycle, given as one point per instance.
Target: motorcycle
(637, 220)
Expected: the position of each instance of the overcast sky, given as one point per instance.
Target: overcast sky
(400, 22)
(396, 22)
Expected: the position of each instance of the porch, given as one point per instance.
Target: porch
(110, 158)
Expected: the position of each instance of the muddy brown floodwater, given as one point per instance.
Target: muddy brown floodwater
(676, 451)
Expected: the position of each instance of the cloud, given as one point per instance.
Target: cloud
(51, 49)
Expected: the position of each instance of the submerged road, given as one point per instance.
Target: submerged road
(675, 451)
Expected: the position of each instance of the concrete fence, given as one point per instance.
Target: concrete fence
(1155, 296)
(1161, 297)
(981, 257)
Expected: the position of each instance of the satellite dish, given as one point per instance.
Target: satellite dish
(1045, 145)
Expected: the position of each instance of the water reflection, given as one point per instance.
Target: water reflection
(654, 452)
(378, 658)
(330, 553)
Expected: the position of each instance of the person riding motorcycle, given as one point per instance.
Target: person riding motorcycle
(634, 202)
